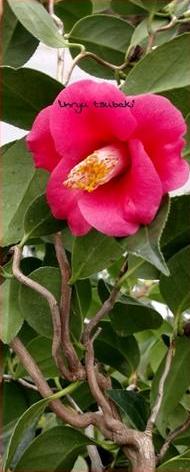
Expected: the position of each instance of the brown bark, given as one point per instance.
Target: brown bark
(141, 455)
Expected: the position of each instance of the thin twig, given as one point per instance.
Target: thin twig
(67, 415)
(69, 351)
(92, 378)
(96, 463)
(23, 382)
(86, 54)
(107, 305)
(158, 402)
(171, 437)
(54, 309)
(60, 52)
(152, 34)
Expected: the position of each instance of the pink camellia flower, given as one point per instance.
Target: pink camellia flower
(111, 158)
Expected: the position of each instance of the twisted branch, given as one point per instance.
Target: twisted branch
(54, 309)
(66, 291)
(159, 399)
(171, 437)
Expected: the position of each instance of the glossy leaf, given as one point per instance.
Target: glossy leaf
(169, 67)
(92, 253)
(81, 300)
(140, 35)
(34, 307)
(105, 35)
(180, 97)
(71, 11)
(132, 316)
(40, 349)
(133, 405)
(39, 220)
(100, 5)
(151, 5)
(11, 319)
(22, 99)
(15, 38)
(58, 447)
(176, 234)
(21, 184)
(139, 268)
(121, 353)
(178, 381)
(177, 463)
(35, 18)
(146, 243)
(30, 416)
(10, 411)
(127, 8)
(175, 288)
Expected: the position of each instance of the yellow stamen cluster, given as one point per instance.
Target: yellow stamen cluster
(92, 172)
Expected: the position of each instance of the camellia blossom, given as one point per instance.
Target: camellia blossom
(111, 158)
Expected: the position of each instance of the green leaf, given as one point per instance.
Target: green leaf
(34, 307)
(169, 68)
(34, 17)
(140, 269)
(25, 421)
(39, 221)
(105, 35)
(150, 5)
(140, 35)
(180, 463)
(12, 410)
(22, 99)
(100, 5)
(178, 381)
(133, 405)
(121, 353)
(180, 97)
(21, 184)
(40, 349)
(175, 288)
(81, 300)
(133, 316)
(92, 253)
(146, 243)
(153, 5)
(15, 38)
(71, 11)
(176, 234)
(12, 319)
(58, 447)
(126, 8)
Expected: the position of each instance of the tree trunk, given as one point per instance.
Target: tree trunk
(141, 454)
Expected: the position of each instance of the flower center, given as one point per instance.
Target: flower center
(97, 169)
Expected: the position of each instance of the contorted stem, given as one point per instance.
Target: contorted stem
(87, 54)
(158, 402)
(72, 358)
(95, 458)
(54, 309)
(67, 415)
(172, 436)
(92, 377)
(107, 305)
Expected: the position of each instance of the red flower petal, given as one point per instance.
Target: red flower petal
(64, 202)
(160, 128)
(76, 135)
(40, 142)
(119, 207)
